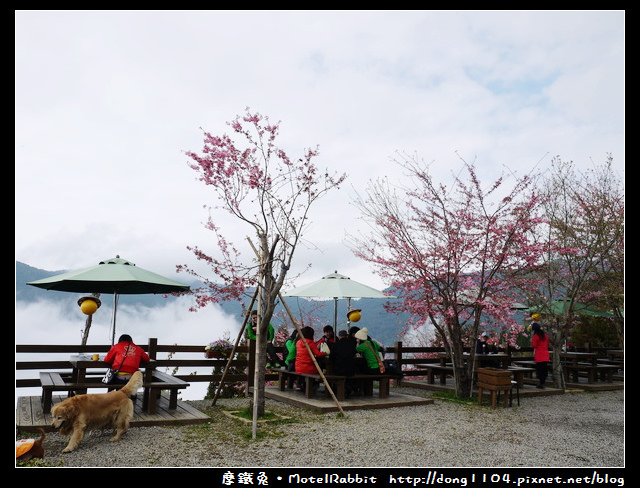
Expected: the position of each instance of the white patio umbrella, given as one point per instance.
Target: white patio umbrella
(336, 286)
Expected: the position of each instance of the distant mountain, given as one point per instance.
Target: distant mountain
(383, 326)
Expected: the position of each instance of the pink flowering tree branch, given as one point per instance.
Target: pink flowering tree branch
(585, 266)
(454, 255)
(268, 194)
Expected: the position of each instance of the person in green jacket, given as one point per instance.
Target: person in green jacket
(369, 349)
(272, 357)
(290, 346)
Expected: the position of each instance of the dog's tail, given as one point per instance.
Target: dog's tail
(133, 384)
(42, 437)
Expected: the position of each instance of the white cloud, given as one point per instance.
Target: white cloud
(45, 322)
(107, 101)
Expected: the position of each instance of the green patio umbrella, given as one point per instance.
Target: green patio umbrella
(115, 276)
(560, 305)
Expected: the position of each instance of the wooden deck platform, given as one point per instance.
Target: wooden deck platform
(30, 417)
(527, 390)
(324, 404)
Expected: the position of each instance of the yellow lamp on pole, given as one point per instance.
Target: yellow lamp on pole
(354, 315)
(89, 304)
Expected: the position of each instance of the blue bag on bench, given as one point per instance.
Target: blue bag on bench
(391, 367)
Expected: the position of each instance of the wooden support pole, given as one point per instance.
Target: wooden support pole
(235, 346)
(313, 358)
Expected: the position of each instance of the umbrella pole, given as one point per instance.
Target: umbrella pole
(335, 313)
(113, 319)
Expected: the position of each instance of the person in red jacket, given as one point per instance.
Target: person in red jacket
(304, 363)
(127, 357)
(540, 344)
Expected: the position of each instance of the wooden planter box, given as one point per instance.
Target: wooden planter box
(494, 376)
(216, 354)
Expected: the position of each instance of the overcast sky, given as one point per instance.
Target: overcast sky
(108, 101)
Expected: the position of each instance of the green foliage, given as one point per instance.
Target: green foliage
(450, 396)
(247, 413)
(38, 463)
(229, 389)
(595, 331)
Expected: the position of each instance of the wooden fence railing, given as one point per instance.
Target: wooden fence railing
(166, 356)
(206, 370)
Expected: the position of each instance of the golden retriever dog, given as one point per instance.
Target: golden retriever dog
(92, 411)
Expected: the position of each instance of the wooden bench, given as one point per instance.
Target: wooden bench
(161, 381)
(432, 369)
(286, 380)
(53, 381)
(531, 364)
(519, 373)
(365, 382)
(495, 392)
(612, 362)
(604, 372)
(336, 382)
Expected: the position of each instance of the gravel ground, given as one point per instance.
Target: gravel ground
(579, 429)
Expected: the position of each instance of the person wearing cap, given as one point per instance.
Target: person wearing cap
(352, 334)
(369, 350)
(540, 344)
(482, 346)
(328, 338)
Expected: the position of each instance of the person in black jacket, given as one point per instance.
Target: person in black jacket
(482, 347)
(343, 356)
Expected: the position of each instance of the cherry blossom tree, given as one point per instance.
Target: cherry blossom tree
(453, 255)
(585, 265)
(271, 195)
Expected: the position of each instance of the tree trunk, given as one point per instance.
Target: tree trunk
(620, 331)
(462, 381)
(85, 332)
(261, 356)
(87, 324)
(556, 341)
(462, 373)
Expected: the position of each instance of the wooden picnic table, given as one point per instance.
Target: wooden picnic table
(501, 359)
(615, 354)
(445, 367)
(439, 369)
(80, 363)
(575, 363)
(82, 378)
